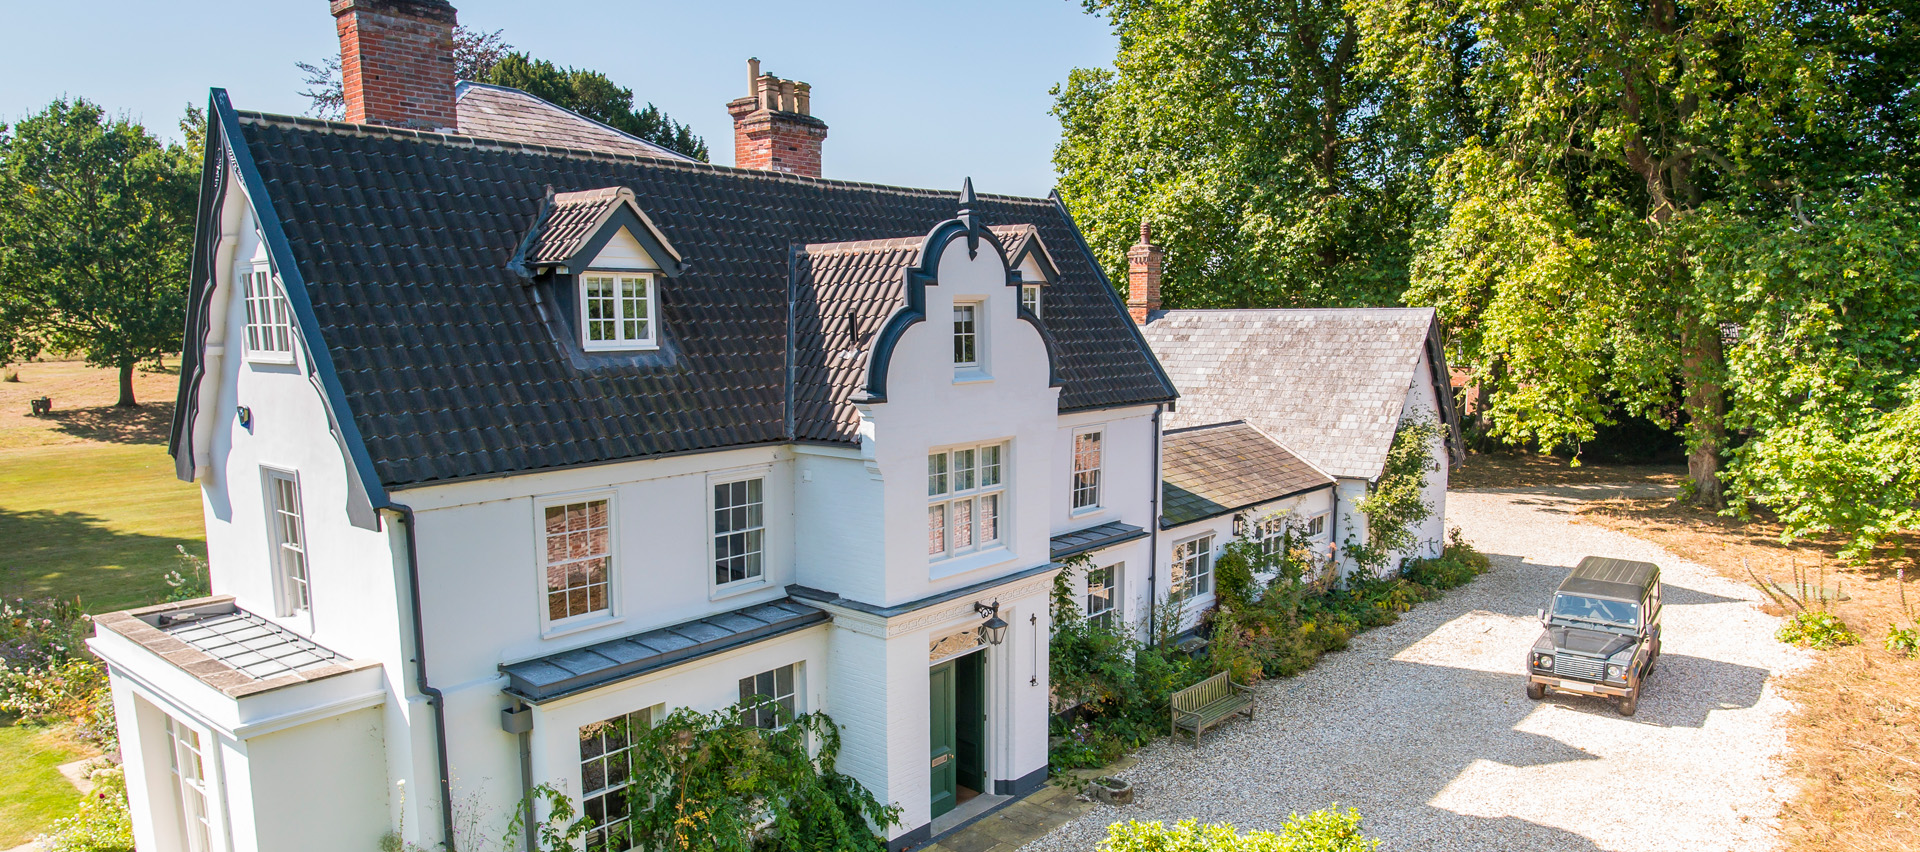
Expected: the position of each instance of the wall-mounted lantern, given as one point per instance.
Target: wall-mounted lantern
(995, 630)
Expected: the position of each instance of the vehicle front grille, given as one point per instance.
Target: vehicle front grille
(1583, 668)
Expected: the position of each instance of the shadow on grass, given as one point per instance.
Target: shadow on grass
(69, 555)
(148, 423)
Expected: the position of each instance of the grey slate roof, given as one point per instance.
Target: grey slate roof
(511, 115)
(450, 369)
(1327, 383)
(1070, 544)
(567, 672)
(1207, 471)
(842, 293)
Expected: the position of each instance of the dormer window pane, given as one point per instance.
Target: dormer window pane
(617, 311)
(1030, 298)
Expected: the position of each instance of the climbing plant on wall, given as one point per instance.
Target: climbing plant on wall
(1396, 506)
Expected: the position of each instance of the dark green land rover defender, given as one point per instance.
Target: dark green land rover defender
(1602, 635)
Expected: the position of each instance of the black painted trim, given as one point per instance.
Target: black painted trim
(206, 227)
(624, 215)
(1022, 785)
(911, 839)
(808, 593)
(915, 280)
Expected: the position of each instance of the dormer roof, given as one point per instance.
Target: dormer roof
(573, 226)
(1023, 243)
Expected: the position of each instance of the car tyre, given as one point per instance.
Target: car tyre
(1536, 691)
(1629, 703)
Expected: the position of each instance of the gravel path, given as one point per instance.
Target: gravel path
(1423, 725)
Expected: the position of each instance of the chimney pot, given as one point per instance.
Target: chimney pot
(773, 127)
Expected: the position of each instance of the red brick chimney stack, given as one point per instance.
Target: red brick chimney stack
(773, 126)
(1143, 277)
(396, 62)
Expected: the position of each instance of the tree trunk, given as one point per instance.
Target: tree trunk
(1701, 366)
(126, 387)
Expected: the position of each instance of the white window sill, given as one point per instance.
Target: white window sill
(580, 624)
(970, 376)
(620, 347)
(271, 359)
(966, 563)
(738, 588)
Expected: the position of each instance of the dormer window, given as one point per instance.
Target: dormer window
(615, 258)
(617, 310)
(966, 335)
(1030, 299)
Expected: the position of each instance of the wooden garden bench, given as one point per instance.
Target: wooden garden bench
(1208, 703)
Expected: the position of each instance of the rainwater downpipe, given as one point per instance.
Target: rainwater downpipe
(434, 698)
(1153, 529)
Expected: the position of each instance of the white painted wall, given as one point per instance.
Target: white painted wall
(1300, 507)
(1423, 405)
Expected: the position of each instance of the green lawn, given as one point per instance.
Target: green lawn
(32, 792)
(95, 521)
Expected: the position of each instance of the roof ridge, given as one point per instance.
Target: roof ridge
(1290, 451)
(462, 140)
(841, 247)
(462, 86)
(1236, 422)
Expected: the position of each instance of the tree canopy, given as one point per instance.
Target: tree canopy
(96, 230)
(1699, 213)
(592, 94)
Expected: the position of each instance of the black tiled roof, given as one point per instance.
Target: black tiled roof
(449, 371)
(1207, 471)
(573, 218)
(1094, 538)
(567, 672)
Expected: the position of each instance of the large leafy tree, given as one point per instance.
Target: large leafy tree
(1619, 143)
(1275, 168)
(96, 229)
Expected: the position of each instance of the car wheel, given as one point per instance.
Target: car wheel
(1629, 702)
(1536, 691)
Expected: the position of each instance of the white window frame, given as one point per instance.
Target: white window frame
(716, 588)
(550, 626)
(596, 838)
(189, 766)
(1271, 534)
(792, 699)
(1325, 519)
(1074, 489)
(269, 318)
(1110, 588)
(975, 337)
(1030, 299)
(1186, 589)
(649, 295)
(944, 494)
(290, 556)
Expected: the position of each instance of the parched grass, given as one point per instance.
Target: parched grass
(1856, 736)
(32, 792)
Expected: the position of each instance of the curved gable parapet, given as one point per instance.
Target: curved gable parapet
(913, 309)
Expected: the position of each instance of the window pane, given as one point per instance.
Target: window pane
(989, 466)
(962, 524)
(936, 474)
(962, 470)
(937, 529)
(963, 334)
(989, 519)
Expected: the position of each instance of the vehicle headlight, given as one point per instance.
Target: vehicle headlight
(1615, 672)
(1544, 661)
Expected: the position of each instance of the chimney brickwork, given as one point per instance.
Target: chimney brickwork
(1143, 277)
(396, 62)
(773, 126)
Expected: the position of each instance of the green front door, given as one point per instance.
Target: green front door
(945, 765)
(970, 720)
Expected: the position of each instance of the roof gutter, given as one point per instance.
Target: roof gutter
(434, 697)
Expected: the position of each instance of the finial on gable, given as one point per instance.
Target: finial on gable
(966, 217)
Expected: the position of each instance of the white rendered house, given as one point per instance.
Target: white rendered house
(505, 446)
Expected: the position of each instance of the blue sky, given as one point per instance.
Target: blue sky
(915, 93)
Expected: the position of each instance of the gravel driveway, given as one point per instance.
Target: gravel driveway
(1424, 726)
